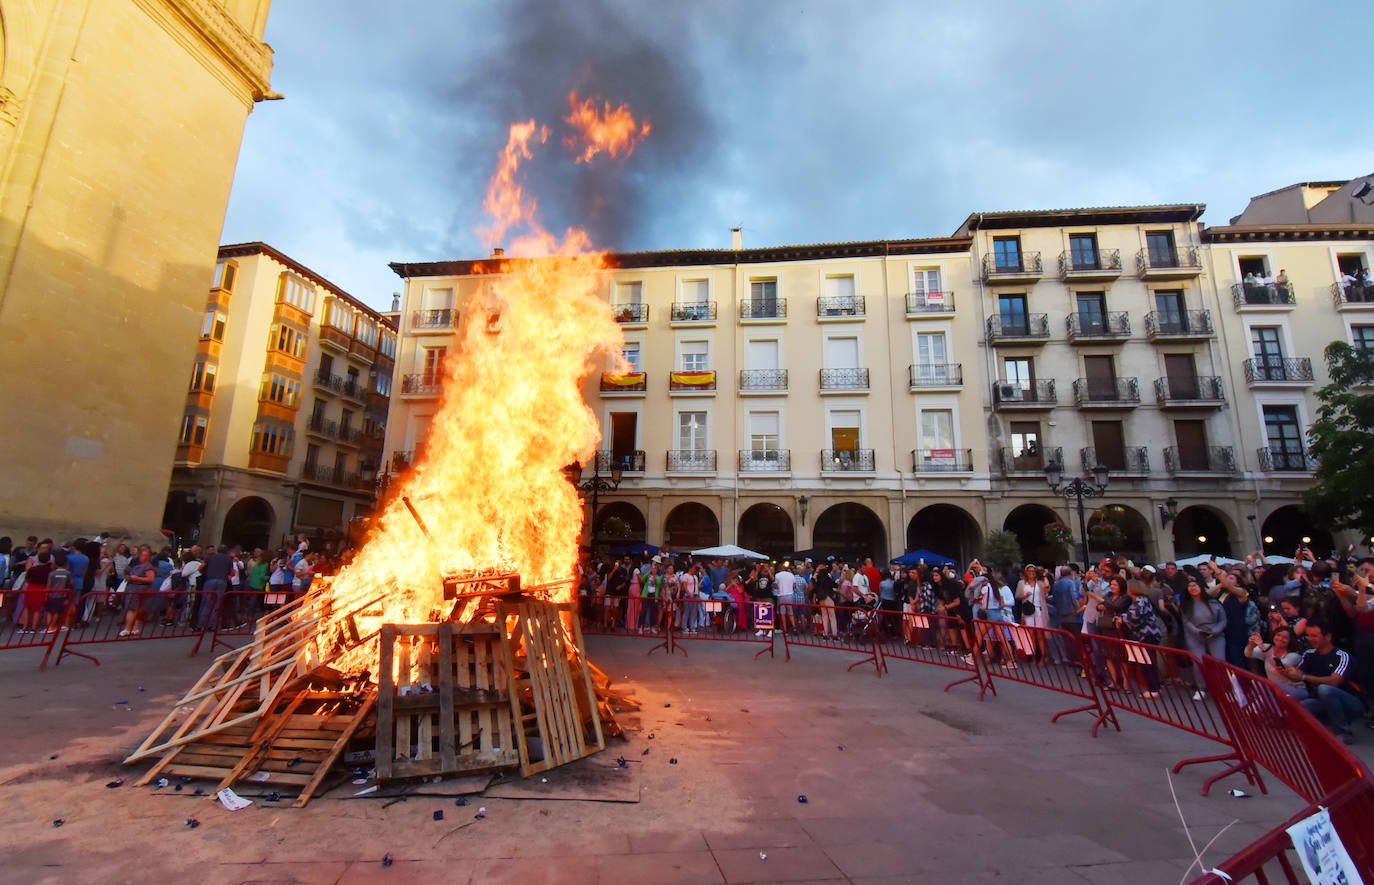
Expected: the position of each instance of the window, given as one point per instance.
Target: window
(937, 429)
(203, 376)
(845, 436)
(381, 383)
(1092, 313)
(629, 351)
(691, 432)
(345, 422)
(1159, 245)
(624, 433)
(1019, 371)
(1100, 374)
(288, 340)
(339, 315)
(630, 293)
(1011, 309)
(1169, 304)
(193, 430)
(1026, 451)
(841, 352)
(1191, 436)
(280, 389)
(1109, 444)
(213, 327)
(696, 292)
(273, 439)
(764, 436)
(840, 294)
(312, 457)
(1083, 251)
(926, 281)
(932, 360)
(226, 272)
(388, 343)
(326, 365)
(1285, 437)
(695, 356)
(433, 362)
(1181, 371)
(1362, 337)
(367, 330)
(763, 297)
(437, 299)
(317, 411)
(1006, 253)
(295, 291)
(761, 353)
(1268, 351)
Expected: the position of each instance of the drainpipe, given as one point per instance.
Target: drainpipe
(901, 474)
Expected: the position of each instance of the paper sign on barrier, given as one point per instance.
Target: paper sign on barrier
(763, 615)
(1322, 853)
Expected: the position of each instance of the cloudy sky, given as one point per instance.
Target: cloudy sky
(801, 120)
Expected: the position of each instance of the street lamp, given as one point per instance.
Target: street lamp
(1080, 488)
(596, 485)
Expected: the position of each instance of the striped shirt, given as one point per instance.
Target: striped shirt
(1334, 663)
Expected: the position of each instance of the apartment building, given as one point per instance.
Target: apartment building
(285, 408)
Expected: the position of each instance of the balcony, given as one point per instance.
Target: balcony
(692, 382)
(1027, 270)
(929, 304)
(936, 376)
(632, 314)
(1186, 325)
(1207, 459)
(630, 462)
(1182, 263)
(349, 436)
(1024, 395)
(1197, 392)
(335, 339)
(1089, 328)
(425, 384)
(755, 381)
(1106, 265)
(765, 460)
(1353, 295)
(1031, 462)
(847, 461)
(269, 461)
(1285, 461)
(1106, 393)
(333, 476)
(1030, 329)
(1132, 460)
(353, 389)
(762, 309)
(844, 380)
(429, 321)
(624, 384)
(322, 427)
(687, 313)
(691, 461)
(1278, 372)
(840, 307)
(1249, 297)
(942, 461)
(362, 352)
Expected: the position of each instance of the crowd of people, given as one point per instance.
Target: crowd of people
(1308, 626)
(48, 586)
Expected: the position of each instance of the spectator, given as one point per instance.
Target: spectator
(1323, 668)
(1204, 627)
(1139, 623)
(140, 592)
(218, 564)
(1064, 607)
(1277, 658)
(785, 586)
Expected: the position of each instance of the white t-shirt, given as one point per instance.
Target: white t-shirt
(784, 583)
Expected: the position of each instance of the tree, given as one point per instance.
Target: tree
(1002, 550)
(1342, 441)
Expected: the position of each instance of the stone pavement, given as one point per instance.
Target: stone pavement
(905, 783)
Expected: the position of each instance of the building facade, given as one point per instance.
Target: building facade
(120, 126)
(285, 410)
(868, 398)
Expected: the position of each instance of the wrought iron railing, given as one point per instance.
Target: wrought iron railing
(630, 462)
(1131, 459)
(693, 311)
(1031, 461)
(1278, 370)
(840, 306)
(1179, 324)
(1245, 294)
(423, 384)
(630, 382)
(1104, 262)
(763, 309)
(844, 379)
(349, 435)
(763, 379)
(936, 375)
(1029, 265)
(442, 318)
(1028, 393)
(336, 476)
(702, 380)
(1186, 258)
(1273, 459)
(929, 302)
(765, 460)
(1106, 391)
(1202, 459)
(322, 426)
(847, 460)
(1357, 292)
(633, 312)
(942, 460)
(1029, 327)
(1194, 389)
(1112, 324)
(691, 461)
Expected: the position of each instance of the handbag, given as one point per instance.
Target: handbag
(1025, 608)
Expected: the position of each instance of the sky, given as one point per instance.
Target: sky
(802, 121)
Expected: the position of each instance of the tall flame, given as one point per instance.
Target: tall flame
(491, 488)
(608, 130)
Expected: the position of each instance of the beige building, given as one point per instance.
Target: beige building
(120, 125)
(285, 409)
(876, 397)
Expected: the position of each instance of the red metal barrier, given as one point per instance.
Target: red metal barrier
(1123, 670)
(845, 628)
(241, 610)
(718, 620)
(104, 616)
(942, 640)
(640, 617)
(42, 636)
(1046, 658)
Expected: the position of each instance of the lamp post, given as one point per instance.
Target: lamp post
(596, 485)
(1080, 488)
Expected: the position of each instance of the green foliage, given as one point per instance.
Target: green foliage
(1002, 550)
(1058, 534)
(1342, 440)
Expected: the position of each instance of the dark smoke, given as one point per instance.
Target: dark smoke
(547, 50)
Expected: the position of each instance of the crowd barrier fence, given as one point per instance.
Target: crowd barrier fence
(1044, 657)
(942, 640)
(839, 627)
(103, 617)
(632, 616)
(749, 621)
(51, 608)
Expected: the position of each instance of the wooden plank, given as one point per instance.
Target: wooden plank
(571, 617)
(357, 720)
(424, 734)
(447, 725)
(386, 750)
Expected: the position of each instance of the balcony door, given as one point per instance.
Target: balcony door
(1083, 251)
(1100, 372)
(841, 296)
(1092, 313)
(925, 285)
(624, 434)
(765, 433)
(1109, 444)
(1027, 454)
(1191, 439)
(432, 364)
(1268, 351)
(764, 297)
(932, 358)
(1011, 309)
(844, 438)
(841, 352)
(1169, 305)
(1006, 252)
(1160, 246)
(1181, 372)
(1284, 434)
(937, 440)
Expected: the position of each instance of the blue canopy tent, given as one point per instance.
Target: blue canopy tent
(915, 557)
(633, 550)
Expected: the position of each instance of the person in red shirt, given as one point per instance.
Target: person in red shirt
(871, 572)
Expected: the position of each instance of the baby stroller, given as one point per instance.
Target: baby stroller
(863, 620)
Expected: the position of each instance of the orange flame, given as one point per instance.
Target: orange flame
(491, 488)
(610, 130)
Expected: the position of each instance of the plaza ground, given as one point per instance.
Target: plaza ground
(904, 783)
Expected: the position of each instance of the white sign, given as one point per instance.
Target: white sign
(1322, 853)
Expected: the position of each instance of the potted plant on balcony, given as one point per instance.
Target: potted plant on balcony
(1107, 535)
(1059, 534)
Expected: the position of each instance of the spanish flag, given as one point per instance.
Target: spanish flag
(629, 379)
(693, 379)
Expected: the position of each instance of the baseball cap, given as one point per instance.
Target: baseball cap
(1107, 562)
(1148, 568)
